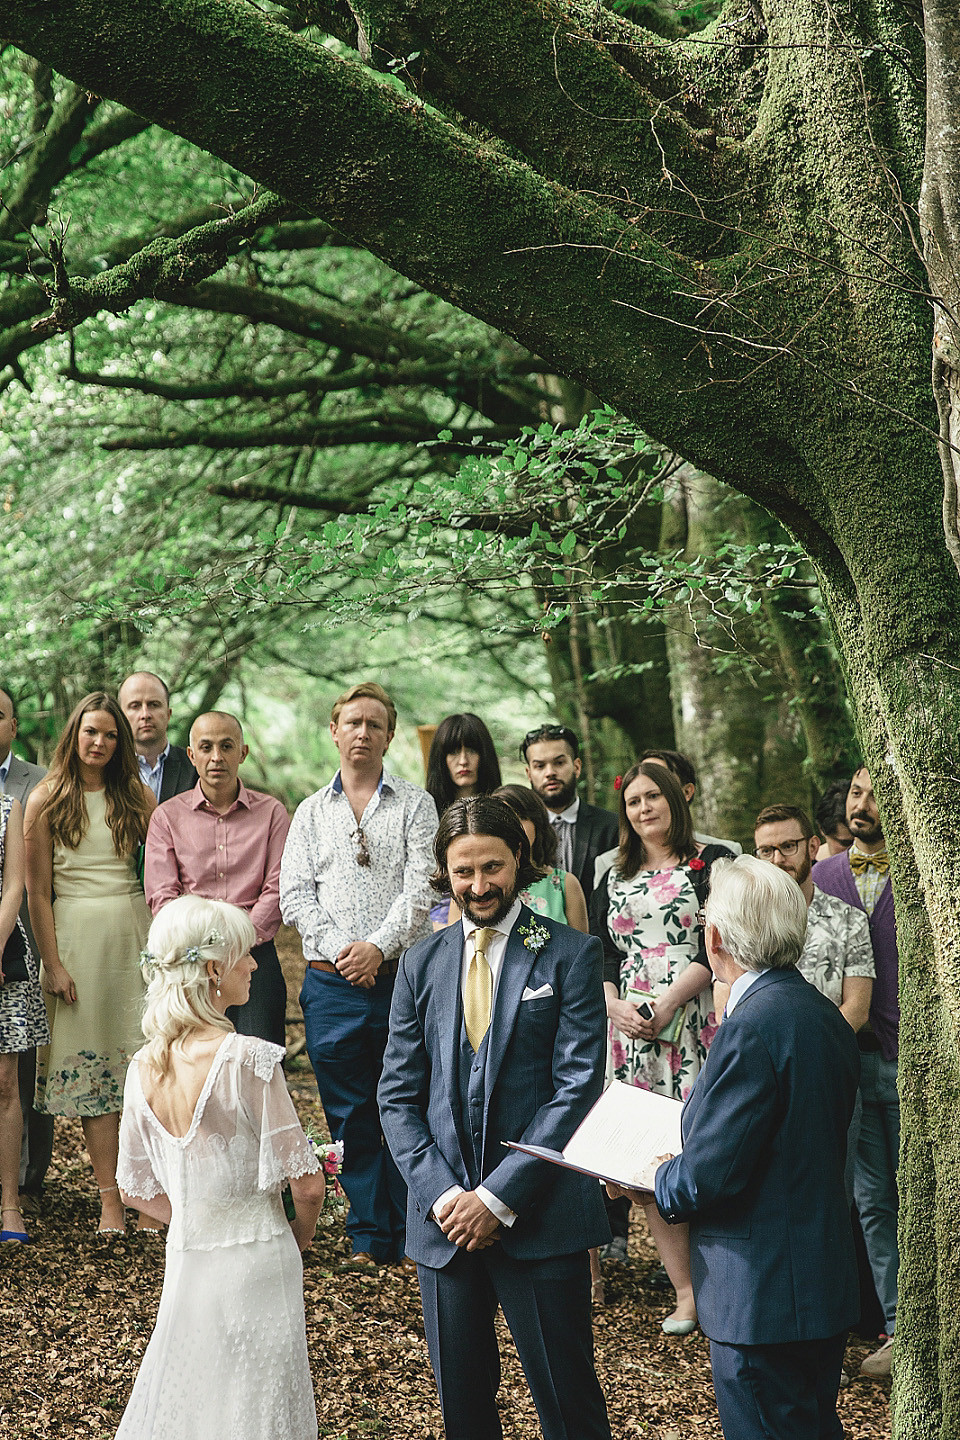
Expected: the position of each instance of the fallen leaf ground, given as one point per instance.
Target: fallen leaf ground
(76, 1314)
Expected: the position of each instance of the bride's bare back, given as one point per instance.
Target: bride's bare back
(174, 1097)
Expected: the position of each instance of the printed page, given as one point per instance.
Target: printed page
(623, 1135)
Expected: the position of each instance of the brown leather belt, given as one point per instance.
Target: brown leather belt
(387, 967)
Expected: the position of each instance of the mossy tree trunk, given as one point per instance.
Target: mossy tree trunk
(718, 239)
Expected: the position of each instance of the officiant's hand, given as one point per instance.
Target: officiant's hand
(638, 1197)
(468, 1223)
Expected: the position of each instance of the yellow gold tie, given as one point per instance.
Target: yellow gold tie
(860, 863)
(478, 991)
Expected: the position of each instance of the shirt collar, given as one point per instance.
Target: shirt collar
(569, 815)
(740, 987)
(198, 800)
(336, 784)
(5, 767)
(145, 767)
(860, 850)
(503, 927)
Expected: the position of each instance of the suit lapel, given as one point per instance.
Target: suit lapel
(518, 961)
(581, 837)
(447, 963)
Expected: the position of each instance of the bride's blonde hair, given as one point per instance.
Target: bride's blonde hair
(187, 934)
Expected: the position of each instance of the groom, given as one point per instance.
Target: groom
(497, 1032)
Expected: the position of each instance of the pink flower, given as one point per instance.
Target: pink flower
(708, 1030)
(623, 924)
(665, 883)
(617, 1054)
(655, 952)
(686, 920)
(676, 1060)
(641, 983)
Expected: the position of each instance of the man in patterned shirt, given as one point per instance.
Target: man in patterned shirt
(837, 957)
(355, 882)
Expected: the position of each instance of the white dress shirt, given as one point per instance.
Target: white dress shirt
(496, 949)
(5, 770)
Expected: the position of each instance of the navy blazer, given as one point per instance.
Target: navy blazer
(596, 830)
(760, 1178)
(178, 774)
(545, 1065)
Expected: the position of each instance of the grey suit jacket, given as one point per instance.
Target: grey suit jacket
(21, 779)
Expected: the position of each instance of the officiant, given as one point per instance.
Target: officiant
(497, 1034)
(760, 1177)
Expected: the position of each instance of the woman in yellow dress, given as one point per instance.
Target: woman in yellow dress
(84, 825)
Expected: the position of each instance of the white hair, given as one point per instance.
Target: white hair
(185, 936)
(759, 911)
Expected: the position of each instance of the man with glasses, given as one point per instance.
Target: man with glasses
(837, 957)
(355, 881)
(551, 754)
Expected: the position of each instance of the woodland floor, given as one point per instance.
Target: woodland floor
(76, 1314)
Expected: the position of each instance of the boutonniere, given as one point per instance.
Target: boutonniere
(535, 936)
(695, 863)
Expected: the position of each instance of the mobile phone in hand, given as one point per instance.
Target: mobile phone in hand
(645, 1009)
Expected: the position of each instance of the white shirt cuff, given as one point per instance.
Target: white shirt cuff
(445, 1199)
(504, 1214)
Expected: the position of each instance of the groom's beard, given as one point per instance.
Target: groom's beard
(468, 901)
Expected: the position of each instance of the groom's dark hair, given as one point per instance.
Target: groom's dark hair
(482, 815)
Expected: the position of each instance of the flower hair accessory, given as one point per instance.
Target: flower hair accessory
(190, 956)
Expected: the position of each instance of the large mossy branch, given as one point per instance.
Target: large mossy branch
(550, 86)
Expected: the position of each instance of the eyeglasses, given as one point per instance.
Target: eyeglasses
(786, 848)
(549, 732)
(363, 854)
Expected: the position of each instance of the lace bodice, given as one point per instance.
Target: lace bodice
(224, 1177)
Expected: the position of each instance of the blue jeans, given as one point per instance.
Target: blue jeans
(346, 1030)
(875, 1176)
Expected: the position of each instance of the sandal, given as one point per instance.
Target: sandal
(17, 1237)
(109, 1229)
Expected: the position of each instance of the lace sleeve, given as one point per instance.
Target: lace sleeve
(285, 1152)
(135, 1169)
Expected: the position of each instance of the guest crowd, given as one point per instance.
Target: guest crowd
(124, 823)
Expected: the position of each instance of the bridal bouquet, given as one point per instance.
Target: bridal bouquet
(330, 1155)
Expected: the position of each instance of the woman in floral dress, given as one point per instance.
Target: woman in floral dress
(645, 913)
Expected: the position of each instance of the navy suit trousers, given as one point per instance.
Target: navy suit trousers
(346, 1030)
(779, 1392)
(546, 1304)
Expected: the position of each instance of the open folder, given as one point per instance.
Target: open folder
(621, 1139)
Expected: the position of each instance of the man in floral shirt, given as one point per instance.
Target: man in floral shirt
(838, 955)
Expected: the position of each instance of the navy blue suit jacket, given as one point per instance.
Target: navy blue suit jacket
(760, 1178)
(545, 1065)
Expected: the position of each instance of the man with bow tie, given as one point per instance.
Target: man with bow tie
(497, 1033)
(861, 876)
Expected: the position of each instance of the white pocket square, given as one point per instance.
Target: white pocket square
(540, 994)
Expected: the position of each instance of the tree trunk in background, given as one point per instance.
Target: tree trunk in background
(732, 710)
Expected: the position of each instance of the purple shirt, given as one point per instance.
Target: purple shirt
(835, 877)
(191, 850)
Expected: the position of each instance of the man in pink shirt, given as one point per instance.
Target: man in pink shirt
(225, 842)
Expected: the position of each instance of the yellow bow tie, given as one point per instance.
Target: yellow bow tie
(860, 863)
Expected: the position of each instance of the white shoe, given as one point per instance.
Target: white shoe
(877, 1365)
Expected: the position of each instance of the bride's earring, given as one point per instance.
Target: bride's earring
(217, 978)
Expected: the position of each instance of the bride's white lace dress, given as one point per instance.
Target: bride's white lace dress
(228, 1356)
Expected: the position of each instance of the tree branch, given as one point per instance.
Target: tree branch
(318, 434)
(47, 162)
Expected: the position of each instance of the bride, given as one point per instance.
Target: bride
(208, 1138)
